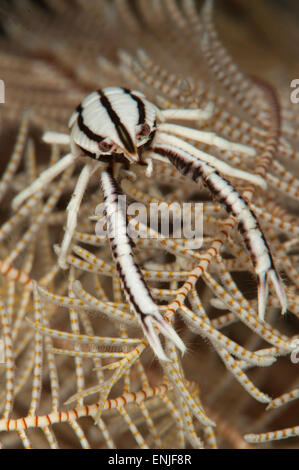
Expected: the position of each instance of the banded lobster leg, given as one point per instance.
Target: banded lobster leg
(247, 222)
(134, 286)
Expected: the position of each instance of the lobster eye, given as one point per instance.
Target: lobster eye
(105, 146)
(144, 130)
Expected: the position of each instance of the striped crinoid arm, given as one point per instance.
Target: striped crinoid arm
(225, 70)
(272, 435)
(243, 89)
(201, 30)
(284, 399)
(167, 88)
(105, 434)
(266, 102)
(235, 367)
(147, 395)
(16, 155)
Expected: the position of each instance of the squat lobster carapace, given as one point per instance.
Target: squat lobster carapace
(119, 125)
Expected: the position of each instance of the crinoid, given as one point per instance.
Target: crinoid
(79, 371)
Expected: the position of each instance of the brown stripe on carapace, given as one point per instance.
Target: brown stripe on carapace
(140, 105)
(119, 126)
(85, 129)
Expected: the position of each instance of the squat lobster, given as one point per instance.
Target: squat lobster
(120, 125)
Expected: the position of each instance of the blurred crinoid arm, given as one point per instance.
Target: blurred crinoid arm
(137, 293)
(44, 179)
(72, 211)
